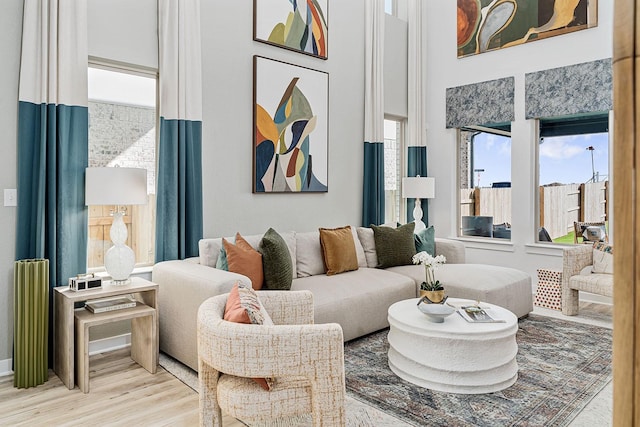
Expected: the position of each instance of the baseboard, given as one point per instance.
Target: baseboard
(95, 347)
(109, 344)
(5, 367)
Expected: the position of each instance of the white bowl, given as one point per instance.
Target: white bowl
(436, 312)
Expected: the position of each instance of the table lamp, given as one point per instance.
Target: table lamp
(118, 187)
(418, 188)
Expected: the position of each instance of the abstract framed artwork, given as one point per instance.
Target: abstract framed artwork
(291, 128)
(299, 25)
(485, 25)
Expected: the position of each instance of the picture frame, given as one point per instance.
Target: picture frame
(486, 25)
(291, 128)
(300, 26)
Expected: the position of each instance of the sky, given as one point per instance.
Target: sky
(565, 160)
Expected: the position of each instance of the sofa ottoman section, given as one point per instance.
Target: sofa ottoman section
(357, 300)
(502, 286)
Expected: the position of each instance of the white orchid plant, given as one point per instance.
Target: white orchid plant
(431, 264)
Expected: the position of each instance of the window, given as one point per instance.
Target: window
(393, 171)
(485, 181)
(122, 132)
(390, 7)
(573, 172)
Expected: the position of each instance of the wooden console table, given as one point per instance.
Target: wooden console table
(145, 337)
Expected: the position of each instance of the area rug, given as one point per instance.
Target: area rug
(562, 366)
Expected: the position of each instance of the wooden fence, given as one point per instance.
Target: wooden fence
(560, 205)
(140, 237)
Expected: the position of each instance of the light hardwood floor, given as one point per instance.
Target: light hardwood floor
(124, 394)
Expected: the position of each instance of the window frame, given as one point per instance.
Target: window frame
(503, 130)
(141, 71)
(401, 137)
(587, 119)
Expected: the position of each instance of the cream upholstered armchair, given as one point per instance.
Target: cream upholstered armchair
(575, 259)
(306, 361)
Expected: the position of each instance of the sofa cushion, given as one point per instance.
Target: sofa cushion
(394, 246)
(595, 283)
(209, 249)
(243, 259)
(357, 300)
(276, 261)
(425, 241)
(221, 262)
(365, 235)
(309, 254)
(602, 258)
(244, 306)
(338, 250)
(362, 259)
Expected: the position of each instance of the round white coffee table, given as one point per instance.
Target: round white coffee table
(455, 356)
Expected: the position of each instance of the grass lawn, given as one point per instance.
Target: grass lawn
(565, 239)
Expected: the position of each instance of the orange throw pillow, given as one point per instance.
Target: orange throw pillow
(243, 259)
(338, 250)
(243, 306)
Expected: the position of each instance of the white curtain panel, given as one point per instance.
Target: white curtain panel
(416, 79)
(374, 71)
(53, 68)
(180, 60)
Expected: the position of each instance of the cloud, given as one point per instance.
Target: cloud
(560, 148)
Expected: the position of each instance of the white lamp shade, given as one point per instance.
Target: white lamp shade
(418, 187)
(115, 186)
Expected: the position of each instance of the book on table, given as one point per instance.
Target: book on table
(475, 314)
(109, 304)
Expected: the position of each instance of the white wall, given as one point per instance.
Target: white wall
(445, 70)
(228, 50)
(126, 31)
(10, 36)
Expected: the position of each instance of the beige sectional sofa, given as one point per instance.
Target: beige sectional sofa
(357, 300)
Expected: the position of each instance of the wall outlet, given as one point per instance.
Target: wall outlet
(10, 197)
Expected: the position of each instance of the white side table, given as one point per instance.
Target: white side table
(455, 356)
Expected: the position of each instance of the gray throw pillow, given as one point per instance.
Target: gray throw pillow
(276, 262)
(394, 246)
(425, 240)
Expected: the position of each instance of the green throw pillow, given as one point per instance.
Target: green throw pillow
(394, 246)
(276, 261)
(425, 240)
(222, 263)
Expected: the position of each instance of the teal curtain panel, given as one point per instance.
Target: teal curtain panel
(179, 203)
(373, 180)
(53, 139)
(373, 191)
(179, 197)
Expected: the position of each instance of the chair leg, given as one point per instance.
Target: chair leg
(328, 402)
(210, 413)
(570, 301)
